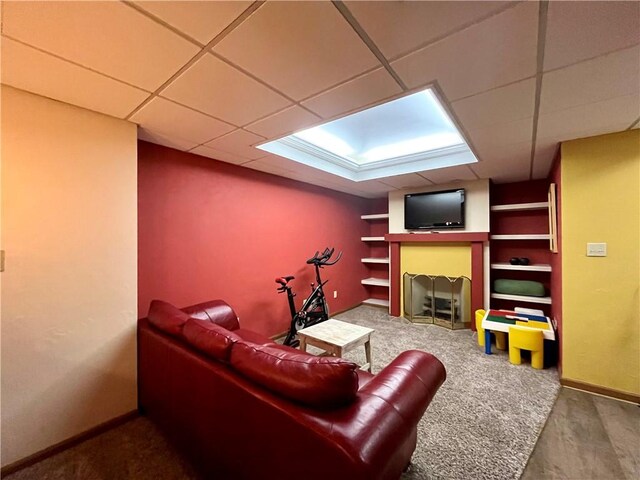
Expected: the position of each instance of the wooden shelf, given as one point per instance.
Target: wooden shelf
(378, 282)
(520, 206)
(375, 260)
(522, 298)
(375, 216)
(372, 239)
(523, 236)
(540, 267)
(378, 302)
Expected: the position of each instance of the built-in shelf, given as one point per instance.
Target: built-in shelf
(375, 260)
(520, 206)
(378, 282)
(523, 236)
(522, 298)
(378, 302)
(540, 267)
(375, 216)
(372, 239)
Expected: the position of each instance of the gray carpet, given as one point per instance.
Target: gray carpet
(482, 424)
(484, 421)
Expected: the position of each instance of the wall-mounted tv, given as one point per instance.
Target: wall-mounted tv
(434, 210)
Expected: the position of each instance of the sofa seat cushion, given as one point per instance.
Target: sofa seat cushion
(320, 382)
(166, 317)
(253, 337)
(209, 338)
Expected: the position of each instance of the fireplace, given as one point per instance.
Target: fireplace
(437, 299)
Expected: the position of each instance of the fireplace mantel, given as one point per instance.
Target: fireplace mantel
(475, 239)
(457, 237)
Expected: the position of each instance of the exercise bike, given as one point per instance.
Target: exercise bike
(314, 309)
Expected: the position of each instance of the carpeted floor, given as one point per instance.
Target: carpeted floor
(484, 421)
(482, 424)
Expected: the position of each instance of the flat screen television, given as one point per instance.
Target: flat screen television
(434, 210)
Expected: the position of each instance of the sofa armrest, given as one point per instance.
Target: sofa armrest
(408, 383)
(216, 311)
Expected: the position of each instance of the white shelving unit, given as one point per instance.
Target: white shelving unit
(378, 302)
(375, 260)
(372, 261)
(513, 207)
(378, 282)
(544, 208)
(522, 236)
(522, 298)
(541, 267)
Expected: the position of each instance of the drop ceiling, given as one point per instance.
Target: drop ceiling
(218, 78)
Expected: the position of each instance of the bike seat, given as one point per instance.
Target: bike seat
(284, 280)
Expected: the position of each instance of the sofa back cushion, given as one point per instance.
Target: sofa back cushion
(216, 311)
(209, 338)
(166, 317)
(320, 382)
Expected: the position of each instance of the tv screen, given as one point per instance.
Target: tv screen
(435, 210)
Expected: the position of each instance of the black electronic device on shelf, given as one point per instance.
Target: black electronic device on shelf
(434, 210)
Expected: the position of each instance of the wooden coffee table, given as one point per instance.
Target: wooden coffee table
(336, 338)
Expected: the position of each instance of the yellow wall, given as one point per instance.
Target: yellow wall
(69, 228)
(601, 311)
(434, 259)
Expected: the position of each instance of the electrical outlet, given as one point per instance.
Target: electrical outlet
(335, 294)
(596, 249)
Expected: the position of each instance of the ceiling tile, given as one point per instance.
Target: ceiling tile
(487, 138)
(165, 140)
(498, 51)
(34, 71)
(164, 116)
(450, 174)
(410, 180)
(239, 143)
(267, 165)
(543, 158)
(215, 154)
(505, 104)
(214, 87)
(505, 163)
(399, 27)
(109, 37)
(607, 116)
(200, 20)
(580, 30)
(300, 48)
(287, 121)
(609, 76)
(354, 94)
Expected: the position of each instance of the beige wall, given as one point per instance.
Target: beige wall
(600, 295)
(69, 228)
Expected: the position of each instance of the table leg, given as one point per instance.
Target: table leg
(487, 342)
(367, 351)
(303, 344)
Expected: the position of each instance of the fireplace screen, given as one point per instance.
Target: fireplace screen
(445, 301)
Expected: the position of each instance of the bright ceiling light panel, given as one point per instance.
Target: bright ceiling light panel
(410, 134)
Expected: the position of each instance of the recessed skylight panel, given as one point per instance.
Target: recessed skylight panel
(404, 133)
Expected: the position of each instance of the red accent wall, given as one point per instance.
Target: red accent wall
(209, 229)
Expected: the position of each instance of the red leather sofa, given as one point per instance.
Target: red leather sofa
(242, 407)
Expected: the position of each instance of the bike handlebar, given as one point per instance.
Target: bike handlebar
(323, 259)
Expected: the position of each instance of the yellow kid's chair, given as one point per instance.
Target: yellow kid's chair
(526, 339)
(501, 337)
(479, 329)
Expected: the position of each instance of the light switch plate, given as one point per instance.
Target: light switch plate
(596, 249)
